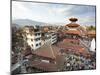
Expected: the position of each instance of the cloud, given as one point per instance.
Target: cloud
(19, 11)
(87, 21)
(53, 13)
(79, 10)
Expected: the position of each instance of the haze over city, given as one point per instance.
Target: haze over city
(53, 13)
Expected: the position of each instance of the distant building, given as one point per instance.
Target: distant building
(49, 36)
(53, 37)
(33, 36)
(46, 36)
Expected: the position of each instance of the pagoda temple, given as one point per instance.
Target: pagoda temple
(72, 29)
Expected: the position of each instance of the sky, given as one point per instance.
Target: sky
(53, 13)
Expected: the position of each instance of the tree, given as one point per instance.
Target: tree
(18, 43)
(91, 28)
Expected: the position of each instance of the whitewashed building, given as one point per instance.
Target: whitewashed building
(33, 37)
(53, 37)
(49, 37)
(93, 45)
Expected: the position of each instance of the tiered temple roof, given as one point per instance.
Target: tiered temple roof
(73, 23)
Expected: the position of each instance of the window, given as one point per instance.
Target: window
(36, 44)
(38, 33)
(31, 39)
(37, 39)
(32, 45)
(53, 37)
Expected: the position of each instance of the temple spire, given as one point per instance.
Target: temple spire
(73, 19)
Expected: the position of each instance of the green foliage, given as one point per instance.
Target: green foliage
(18, 43)
(91, 28)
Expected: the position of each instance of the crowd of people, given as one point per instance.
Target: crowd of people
(74, 62)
